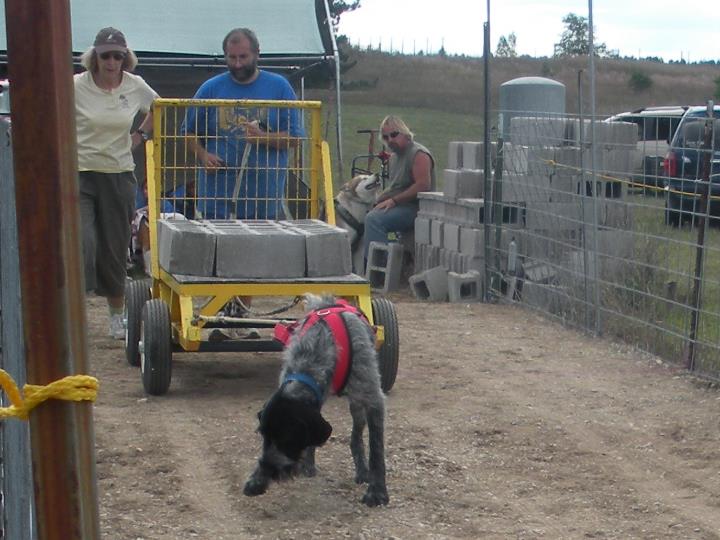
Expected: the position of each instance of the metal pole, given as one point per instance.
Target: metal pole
(593, 171)
(702, 212)
(52, 291)
(336, 57)
(487, 194)
(17, 472)
(581, 142)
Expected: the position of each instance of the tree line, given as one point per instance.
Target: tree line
(575, 41)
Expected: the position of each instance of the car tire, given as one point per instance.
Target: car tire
(673, 217)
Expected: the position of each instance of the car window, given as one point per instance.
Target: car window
(692, 134)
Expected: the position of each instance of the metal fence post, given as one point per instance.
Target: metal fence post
(488, 162)
(702, 214)
(17, 479)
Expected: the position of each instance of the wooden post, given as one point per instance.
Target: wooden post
(52, 290)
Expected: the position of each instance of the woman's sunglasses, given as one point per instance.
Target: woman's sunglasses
(115, 56)
(391, 135)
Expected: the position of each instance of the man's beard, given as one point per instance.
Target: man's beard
(244, 74)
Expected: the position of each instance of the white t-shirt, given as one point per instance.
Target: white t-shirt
(103, 119)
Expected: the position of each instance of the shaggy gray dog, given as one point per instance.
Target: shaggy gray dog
(291, 423)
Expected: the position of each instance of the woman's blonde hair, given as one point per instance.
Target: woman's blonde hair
(396, 124)
(89, 60)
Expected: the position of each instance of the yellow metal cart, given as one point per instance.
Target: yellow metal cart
(169, 312)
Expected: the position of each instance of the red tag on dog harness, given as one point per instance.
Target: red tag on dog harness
(332, 317)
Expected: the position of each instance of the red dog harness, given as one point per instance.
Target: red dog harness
(332, 318)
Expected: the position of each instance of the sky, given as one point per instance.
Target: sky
(671, 30)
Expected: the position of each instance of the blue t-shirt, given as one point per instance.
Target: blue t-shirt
(221, 130)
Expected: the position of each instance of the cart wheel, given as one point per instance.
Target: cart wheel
(136, 294)
(384, 315)
(156, 355)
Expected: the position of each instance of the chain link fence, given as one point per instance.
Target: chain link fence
(583, 231)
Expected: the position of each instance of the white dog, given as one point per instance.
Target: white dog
(354, 200)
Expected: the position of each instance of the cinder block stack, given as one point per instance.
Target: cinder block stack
(253, 249)
(542, 187)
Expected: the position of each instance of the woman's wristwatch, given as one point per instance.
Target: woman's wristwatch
(143, 135)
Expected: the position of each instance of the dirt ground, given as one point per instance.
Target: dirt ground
(501, 425)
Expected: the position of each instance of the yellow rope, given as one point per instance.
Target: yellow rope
(70, 388)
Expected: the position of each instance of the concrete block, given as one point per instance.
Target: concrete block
(186, 247)
(472, 241)
(465, 287)
(469, 263)
(327, 248)
(620, 215)
(384, 266)
(432, 257)
(431, 285)
(436, 233)
(455, 155)
(538, 272)
(451, 236)
(456, 261)
(259, 250)
(523, 187)
(552, 216)
(521, 159)
(538, 130)
(473, 155)
(462, 184)
(431, 204)
(623, 134)
(422, 230)
(420, 257)
(465, 211)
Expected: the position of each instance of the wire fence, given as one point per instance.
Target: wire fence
(609, 236)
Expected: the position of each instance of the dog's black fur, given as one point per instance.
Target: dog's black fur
(291, 423)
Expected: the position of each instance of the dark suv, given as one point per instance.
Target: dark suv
(683, 168)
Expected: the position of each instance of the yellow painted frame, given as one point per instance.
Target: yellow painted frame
(186, 326)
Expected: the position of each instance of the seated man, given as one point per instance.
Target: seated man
(411, 170)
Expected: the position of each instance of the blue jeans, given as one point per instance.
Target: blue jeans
(378, 223)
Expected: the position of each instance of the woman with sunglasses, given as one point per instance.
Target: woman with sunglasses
(411, 170)
(107, 100)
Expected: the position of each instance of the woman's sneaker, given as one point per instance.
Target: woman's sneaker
(117, 326)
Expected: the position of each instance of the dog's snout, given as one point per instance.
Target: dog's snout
(373, 184)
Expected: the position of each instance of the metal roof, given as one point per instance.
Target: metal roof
(195, 28)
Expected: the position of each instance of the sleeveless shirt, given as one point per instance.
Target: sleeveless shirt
(401, 176)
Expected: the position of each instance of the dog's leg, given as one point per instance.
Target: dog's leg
(258, 482)
(376, 493)
(357, 446)
(307, 462)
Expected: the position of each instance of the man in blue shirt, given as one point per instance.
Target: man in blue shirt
(243, 150)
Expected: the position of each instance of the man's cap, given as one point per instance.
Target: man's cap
(110, 39)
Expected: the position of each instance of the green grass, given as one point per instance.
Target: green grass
(670, 255)
(432, 128)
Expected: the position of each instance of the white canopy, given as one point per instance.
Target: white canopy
(196, 27)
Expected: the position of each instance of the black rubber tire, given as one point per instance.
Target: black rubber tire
(156, 356)
(388, 356)
(137, 292)
(673, 216)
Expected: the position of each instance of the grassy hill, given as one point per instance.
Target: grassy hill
(442, 98)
